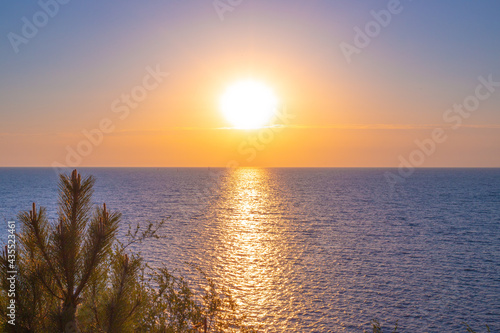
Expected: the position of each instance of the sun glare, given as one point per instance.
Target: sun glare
(248, 104)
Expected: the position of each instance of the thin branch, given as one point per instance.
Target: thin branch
(41, 247)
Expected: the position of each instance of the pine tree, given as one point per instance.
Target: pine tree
(73, 275)
(59, 260)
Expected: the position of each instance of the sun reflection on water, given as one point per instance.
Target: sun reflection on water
(252, 247)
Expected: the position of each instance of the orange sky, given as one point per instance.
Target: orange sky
(70, 78)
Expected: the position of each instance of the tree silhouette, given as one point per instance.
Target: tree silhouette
(62, 258)
(73, 275)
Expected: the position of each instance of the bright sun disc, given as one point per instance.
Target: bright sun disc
(248, 104)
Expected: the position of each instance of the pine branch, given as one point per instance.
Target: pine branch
(75, 205)
(101, 234)
(46, 285)
(36, 225)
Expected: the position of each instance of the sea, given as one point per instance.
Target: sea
(311, 249)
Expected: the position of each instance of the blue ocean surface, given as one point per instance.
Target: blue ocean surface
(312, 250)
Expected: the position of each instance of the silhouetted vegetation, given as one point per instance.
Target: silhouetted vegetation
(73, 275)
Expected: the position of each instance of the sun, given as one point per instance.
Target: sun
(248, 104)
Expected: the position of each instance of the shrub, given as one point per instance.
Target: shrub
(73, 275)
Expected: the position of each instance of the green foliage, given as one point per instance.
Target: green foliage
(73, 275)
(57, 260)
(174, 307)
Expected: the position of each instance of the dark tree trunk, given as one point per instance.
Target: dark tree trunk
(68, 317)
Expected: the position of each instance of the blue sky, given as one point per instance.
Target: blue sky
(426, 59)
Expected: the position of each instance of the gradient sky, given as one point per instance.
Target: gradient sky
(367, 113)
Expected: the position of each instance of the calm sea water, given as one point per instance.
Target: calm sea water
(313, 250)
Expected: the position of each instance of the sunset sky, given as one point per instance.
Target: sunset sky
(366, 109)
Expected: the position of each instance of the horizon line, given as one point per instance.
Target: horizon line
(246, 167)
